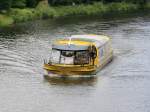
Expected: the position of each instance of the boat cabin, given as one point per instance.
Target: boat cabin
(88, 51)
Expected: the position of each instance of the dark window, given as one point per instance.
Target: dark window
(81, 57)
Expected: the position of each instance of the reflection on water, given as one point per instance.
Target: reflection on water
(122, 86)
(71, 80)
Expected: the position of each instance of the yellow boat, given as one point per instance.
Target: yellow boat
(82, 55)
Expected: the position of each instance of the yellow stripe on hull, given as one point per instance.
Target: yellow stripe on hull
(73, 70)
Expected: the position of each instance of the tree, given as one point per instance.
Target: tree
(5, 4)
(32, 3)
(19, 3)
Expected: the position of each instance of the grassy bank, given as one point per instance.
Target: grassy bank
(5, 20)
(15, 15)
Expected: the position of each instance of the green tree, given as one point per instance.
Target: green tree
(5, 4)
(32, 3)
(137, 1)
(19, 3)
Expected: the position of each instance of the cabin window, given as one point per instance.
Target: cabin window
(67, 57)
(70, 57)
(81, 57)
(67, 53)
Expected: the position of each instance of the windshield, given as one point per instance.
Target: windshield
(69, 57)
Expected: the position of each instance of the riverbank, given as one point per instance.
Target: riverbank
(43, 11)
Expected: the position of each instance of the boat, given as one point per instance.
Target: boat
(79, 55)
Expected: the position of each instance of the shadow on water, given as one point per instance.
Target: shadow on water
(70, 80)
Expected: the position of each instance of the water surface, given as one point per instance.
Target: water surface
(122, 86)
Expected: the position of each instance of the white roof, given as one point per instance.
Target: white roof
(99, 40)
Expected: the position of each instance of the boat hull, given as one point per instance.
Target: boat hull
(75, 71)
(69, 71)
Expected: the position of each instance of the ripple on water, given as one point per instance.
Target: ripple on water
(15, 61)
(121, 86)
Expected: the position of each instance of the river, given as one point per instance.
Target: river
(122, 86)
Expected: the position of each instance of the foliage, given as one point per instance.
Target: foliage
(97, 8)
(44, 11)
(72, 2)
(41, 11)
(5, 20)
(24, 3)
(32, 3)
(5, 4)
(19, 3)
(20, 15)
(122, 7)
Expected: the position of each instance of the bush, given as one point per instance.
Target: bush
(122, 7)
(5, 20)
(20, 15)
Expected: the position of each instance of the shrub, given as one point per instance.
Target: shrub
(5, 20)
(20, 15)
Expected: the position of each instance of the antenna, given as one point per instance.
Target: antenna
(70, 41)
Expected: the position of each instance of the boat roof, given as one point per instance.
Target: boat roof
(98, 40)
(80, 42)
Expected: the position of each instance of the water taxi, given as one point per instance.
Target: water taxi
(79, 55)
